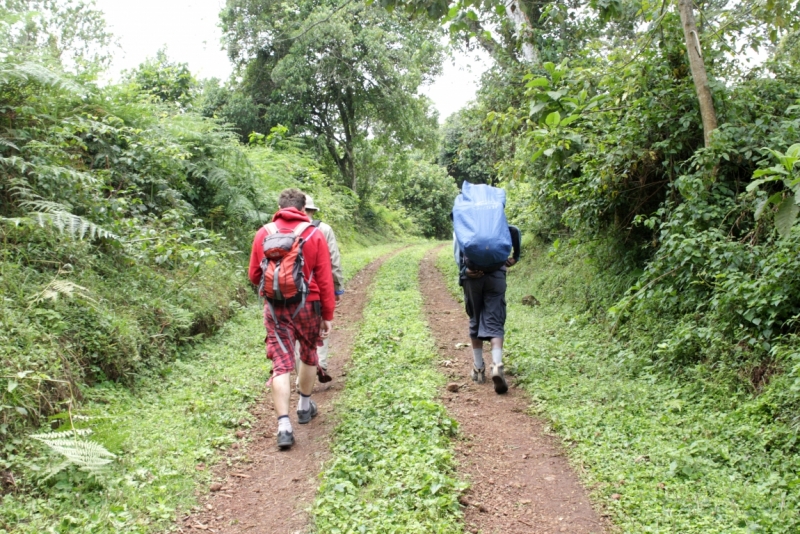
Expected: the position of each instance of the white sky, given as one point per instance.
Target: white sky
(189, 30)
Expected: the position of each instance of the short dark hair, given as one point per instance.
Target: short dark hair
(292, 198)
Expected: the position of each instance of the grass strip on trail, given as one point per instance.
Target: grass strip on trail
(392, 468)
(178, 419)
(662, 453)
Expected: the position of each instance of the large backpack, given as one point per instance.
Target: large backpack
(282, 278)
(481, 228)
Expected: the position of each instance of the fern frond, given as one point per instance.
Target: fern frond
(8, 144)
(16, 163)
(53, 173)
(85, 454)
(64, 434)
(16, 221)
(58, 288)
(35, 73)
(55, 214)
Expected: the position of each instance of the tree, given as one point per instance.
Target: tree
(423, 189)
(71, 33)
(337, 72)
(466, 151)
(231, 106)
(167, 80)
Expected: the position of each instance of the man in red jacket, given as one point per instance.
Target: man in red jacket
(309, 326)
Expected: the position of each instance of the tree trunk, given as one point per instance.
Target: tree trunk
(698, 67)
(522, 26)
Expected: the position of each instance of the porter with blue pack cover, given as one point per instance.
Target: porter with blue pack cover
(482, 245)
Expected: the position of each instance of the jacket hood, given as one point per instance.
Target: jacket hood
(290, 214)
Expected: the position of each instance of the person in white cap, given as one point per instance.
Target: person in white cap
(338, 282)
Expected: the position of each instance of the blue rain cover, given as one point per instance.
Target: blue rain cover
(480, 224)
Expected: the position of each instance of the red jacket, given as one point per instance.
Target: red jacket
(316, 256)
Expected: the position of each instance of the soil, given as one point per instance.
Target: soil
(520, 479)
(259, 489)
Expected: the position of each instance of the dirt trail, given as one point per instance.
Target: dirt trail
(264, 490)
(521, 480)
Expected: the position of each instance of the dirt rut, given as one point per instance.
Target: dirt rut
(520, 479)
(261, 490)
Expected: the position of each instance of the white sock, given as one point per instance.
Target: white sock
(497, 356)
(284, 425)
(304, 403)
(477, 355)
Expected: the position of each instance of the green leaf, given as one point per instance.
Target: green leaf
(536, 107)
(553, 119)
(556, 95)
(538, 82)
(760, 205)
(786, 216)
(752, 186)
(769, 172)
(569, 120)
(794, 151)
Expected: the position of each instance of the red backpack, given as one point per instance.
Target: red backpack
(282, 279)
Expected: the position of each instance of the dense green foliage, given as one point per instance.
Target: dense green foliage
(178, 416)
(598, 140)
(685, 452)
(344, 74)
(126, 216)
(392, 469)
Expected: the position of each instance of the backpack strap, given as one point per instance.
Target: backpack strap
(316, 223)
(300, 228)
(271, 228)
(277, 326)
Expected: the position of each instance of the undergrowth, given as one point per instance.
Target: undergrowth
(686, 452)
(165, 430)
(392, 468)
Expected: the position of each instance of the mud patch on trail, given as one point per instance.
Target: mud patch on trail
(521, 482)
(258, 489)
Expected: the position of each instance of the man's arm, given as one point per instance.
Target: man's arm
(516, 242)
(256, 255)
(324, 278)
(336, 259)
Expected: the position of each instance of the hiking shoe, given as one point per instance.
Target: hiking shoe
(479, 375)
(285, 439)
(499, 379)
(322, 375)
(304, 416)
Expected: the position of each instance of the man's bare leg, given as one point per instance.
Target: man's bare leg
(306, 409)
(306, 375)
(281, 391)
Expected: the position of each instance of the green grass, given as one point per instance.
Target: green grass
(392, 468)
(686, 453)
(182, 415)
(356, 258)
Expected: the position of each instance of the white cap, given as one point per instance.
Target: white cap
(310, 204)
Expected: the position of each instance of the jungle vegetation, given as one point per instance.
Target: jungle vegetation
(649, 149)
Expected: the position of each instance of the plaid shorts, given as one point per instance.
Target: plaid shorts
(304, 328)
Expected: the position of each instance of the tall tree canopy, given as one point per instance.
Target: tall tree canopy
(340, 72)
(71, 33)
